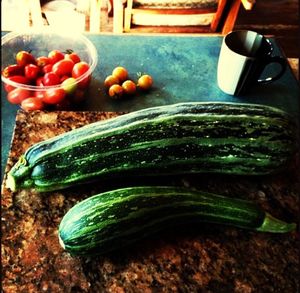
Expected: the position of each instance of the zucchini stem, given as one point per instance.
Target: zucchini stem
(273, 225)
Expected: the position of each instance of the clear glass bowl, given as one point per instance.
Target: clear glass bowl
(40, 43)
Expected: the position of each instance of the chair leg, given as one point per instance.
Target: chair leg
(36, 13)
(127, 16)
(95, 15)
(118, 16)
(231, 17)
(218, 15)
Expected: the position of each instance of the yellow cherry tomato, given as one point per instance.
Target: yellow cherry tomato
(129, 87)
(115, 91)
(121, 73)
(145, 82)
(110, 80)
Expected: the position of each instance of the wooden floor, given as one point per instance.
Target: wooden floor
(274, 17)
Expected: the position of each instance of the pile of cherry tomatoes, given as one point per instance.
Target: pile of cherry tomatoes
(118, 83)
(59, 70)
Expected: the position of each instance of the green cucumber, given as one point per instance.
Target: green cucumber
(195, 137)
(117, 218)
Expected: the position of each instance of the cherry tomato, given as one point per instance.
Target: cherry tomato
(110, 80)
(115, 91)
(63, 67)
(17, 95)
(51, 78)
(63, 78)
(55, 55)
(31, 104)
(42, 61)
(79, 69)
(73, 56)
(78, 96)
(83, 84)
(129, 87)
(31, 71)
(69, 85)
(47, 68)
(54, 96)
(121, 73)
(23, 58)
(145, 82)
(12, 70)
(16, 78)
(40, 81)
(39, 95)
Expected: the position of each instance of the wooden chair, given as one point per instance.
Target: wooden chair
(210, 16)
(86, 15)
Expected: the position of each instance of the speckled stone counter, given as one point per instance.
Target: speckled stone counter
(197, 258)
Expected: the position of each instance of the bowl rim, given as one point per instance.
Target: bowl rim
(91, 47)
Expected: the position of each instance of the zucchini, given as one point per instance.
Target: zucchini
(117, 218)
(192, 137)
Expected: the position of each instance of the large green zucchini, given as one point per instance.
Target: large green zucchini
(195, 137)
(117, 218)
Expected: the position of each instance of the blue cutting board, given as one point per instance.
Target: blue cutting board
(184, 68)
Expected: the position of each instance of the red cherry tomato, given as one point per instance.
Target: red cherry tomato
(54, 96)
(55, 55)
(39, 94)
(47, 68)
(17, 95)
(31, 71)
(16, 78)
(40, 81)
(79, 69)
(51, 78)
(63, 78)
(63, 67)
(31, 104)
(42, 61)
(83, 84)
(12, 70)
(73, 56)
(78, 97)
(23, 58)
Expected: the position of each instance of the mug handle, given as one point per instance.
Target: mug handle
(275, 59)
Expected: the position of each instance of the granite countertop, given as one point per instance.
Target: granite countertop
(196, 258)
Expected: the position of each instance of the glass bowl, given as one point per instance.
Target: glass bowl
(41, 43)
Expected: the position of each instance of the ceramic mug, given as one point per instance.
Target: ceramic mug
(243, 57)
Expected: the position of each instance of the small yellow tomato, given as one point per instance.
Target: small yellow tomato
(115, 91)
(129, 87)
(121, 73)
(145, 82)
(110, 80)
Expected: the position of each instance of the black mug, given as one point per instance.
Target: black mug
(243, 57)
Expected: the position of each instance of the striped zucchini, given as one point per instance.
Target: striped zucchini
(116, 218)
(194, 137)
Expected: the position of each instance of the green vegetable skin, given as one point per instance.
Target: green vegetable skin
(195, 137)
(117, 218)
